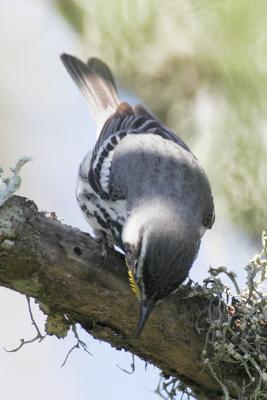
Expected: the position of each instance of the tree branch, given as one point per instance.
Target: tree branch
(63, 270)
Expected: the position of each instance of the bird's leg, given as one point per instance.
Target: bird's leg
(104, 242)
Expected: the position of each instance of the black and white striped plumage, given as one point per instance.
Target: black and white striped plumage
(140, 188)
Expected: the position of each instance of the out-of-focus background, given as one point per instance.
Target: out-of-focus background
(200, 66)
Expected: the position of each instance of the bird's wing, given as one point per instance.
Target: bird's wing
(209, 214)
(125, 121)
(135, 120)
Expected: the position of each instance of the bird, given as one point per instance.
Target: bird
(140, 188)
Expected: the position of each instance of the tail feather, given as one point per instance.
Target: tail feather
(96, 82)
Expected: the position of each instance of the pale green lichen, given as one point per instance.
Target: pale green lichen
(237, 334)
(8, 220)
(9, 185)
(7, 244)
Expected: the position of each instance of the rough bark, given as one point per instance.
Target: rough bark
(63, 269)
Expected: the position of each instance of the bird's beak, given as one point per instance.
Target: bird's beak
(145, 309)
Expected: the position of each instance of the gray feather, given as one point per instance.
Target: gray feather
(147, 167)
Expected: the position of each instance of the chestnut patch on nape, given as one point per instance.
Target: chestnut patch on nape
(77, 251)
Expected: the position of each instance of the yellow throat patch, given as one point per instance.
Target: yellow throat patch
(134, 287)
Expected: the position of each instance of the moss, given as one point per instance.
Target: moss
(26, 287)
(57, 324)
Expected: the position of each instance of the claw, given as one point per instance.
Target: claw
(104, 243)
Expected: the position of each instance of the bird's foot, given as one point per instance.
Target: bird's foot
(104, 243)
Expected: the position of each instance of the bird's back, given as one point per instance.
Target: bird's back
(146, 167)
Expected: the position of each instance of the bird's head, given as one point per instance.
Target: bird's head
(158, 258)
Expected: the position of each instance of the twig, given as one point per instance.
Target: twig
(132, 367)
(224, 388)
(38, 336)
(76, 346)
(177, 387)
(231, 275)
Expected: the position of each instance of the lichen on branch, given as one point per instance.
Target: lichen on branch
(238, 338)
(9, 185)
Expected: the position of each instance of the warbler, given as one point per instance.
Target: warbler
(140, 188)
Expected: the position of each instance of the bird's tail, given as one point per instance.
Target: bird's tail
(96, 82)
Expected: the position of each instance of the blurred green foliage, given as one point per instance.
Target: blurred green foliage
(73, 13)
(200, 65)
